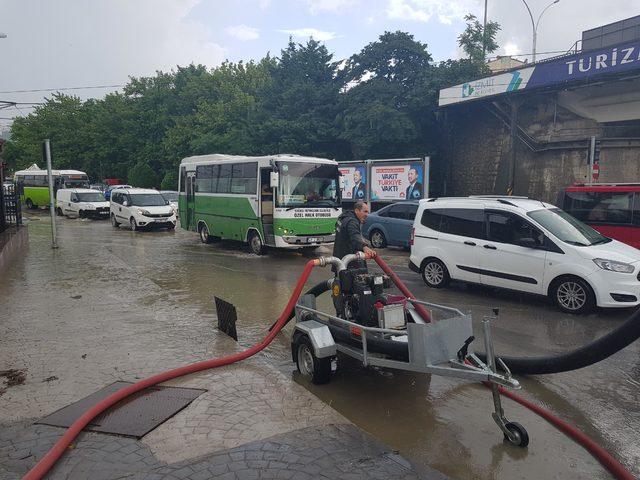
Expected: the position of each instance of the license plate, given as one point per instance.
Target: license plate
(160, 220)
(312, 240)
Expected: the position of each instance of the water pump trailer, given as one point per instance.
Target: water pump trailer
(398, 332)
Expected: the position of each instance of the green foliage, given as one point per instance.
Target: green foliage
(143, 176)
(381, 102)
(476, 40)
(170, 180)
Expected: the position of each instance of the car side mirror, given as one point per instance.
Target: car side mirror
(125, 204)
(166, 202)
(528, 243)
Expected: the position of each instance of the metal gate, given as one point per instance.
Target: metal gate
(10, 211)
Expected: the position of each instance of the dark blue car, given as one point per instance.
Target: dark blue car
(107, 192)
(391, 225)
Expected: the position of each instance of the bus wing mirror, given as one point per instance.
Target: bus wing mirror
(341, 182)
(274, 179)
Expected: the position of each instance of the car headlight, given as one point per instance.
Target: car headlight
(143, 212)
(613, 266)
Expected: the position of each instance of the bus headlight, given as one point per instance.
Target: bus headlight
(613, 266)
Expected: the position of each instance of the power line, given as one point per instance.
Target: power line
(63, 89)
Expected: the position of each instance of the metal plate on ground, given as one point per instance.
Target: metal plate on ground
(134, 416)
(227, 318)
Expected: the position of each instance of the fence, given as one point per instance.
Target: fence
(10, 210)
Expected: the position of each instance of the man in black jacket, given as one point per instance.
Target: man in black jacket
(349, 237)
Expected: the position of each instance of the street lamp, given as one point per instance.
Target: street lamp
(534, 25)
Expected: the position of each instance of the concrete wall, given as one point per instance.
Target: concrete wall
(478, 156)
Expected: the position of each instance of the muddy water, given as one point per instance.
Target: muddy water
(433, 421)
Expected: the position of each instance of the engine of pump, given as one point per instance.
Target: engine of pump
(355, 294)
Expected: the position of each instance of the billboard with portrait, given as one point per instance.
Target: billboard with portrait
(397, 182)
(355, 183)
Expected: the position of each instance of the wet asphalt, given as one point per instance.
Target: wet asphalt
(435, 421)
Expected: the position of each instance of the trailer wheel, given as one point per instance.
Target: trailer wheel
(310, 366)
(522, 437)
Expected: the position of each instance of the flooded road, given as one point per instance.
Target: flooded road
(433, 421)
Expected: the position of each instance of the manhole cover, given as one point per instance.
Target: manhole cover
(134, 416)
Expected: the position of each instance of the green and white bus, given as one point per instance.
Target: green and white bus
(281, 201)
(33, 184)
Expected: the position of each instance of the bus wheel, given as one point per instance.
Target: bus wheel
(29, 204)
(255, 243)
(204, 234)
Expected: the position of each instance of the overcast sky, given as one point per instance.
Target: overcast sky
(79, 43)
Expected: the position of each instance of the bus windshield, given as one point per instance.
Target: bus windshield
(147, 200)
(75, 181)
(90, 197)
(567, 228)
(307, 185)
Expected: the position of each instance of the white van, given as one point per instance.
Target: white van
(526, 245)
(141, 208)
(81, 203)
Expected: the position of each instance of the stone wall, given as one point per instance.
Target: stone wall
(478, 157)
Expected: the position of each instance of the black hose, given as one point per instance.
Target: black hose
(316, 291)
(584, 356)
(593, 352)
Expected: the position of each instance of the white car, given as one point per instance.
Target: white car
(172, 197)
(81, 203)
(526, 245)
(141, 208)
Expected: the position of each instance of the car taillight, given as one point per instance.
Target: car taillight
(413, 235)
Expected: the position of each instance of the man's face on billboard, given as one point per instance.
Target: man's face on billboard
(413, 175)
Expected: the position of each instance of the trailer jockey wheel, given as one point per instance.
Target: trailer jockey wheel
(521, 436)
(318, 370)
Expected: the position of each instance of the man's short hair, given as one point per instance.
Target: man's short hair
(359, 205)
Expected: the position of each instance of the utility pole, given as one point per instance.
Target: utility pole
(52, 208)
(484, 33)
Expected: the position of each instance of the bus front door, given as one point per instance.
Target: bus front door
(191, 200)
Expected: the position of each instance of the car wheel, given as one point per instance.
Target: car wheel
(114, 222)
(255, 243)
(204, 234)
(59, 212)
(378, 239)
(133, 225)
(318, 370)
(573, 295)
(435, 273)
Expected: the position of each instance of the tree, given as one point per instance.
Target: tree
(170, 180)
(143, 176)
(477, 41)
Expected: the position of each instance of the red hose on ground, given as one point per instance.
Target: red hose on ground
(48, 461)
(604, 457)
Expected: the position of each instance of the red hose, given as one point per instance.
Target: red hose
(401, 286)
(604, 457)
(48, 461)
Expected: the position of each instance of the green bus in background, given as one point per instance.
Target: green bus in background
(33, 184)
(281, 201)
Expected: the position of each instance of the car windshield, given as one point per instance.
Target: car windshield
(90, 197)
(147, 199)
(567, 228)
(308, 185)
(170, 196)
